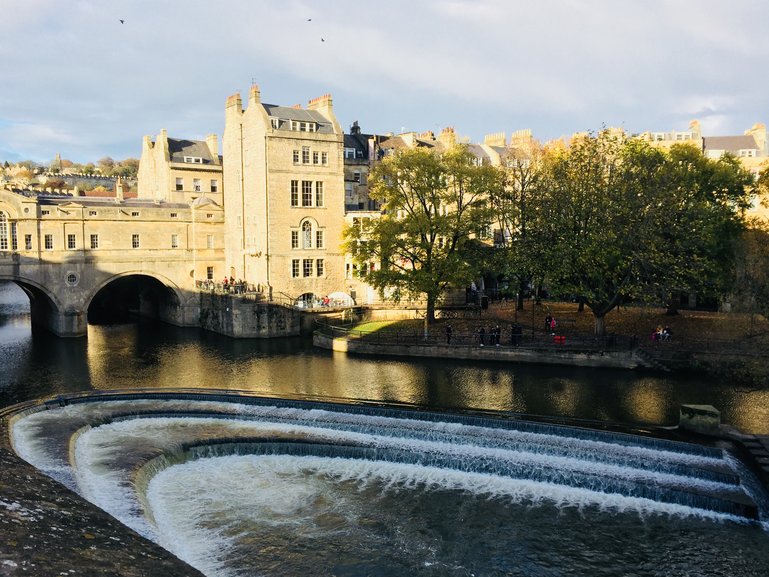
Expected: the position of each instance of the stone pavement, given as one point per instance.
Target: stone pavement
(47, 530)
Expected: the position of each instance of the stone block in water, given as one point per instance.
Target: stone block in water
(704, 419)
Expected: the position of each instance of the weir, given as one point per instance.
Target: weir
(127, 452)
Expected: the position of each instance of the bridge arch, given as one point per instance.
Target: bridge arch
(136, 293)
(45, 307)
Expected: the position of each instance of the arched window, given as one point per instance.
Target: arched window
(5, 236)
(306, 234)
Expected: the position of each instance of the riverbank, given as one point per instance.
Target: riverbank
(732, 346)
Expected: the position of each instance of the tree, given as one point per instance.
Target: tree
(106, 165)
(434, 207)
(752, 270)
(625, 220)
(516, 211)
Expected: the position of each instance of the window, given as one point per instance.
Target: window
(318, 239)
(196, 185)
(71, 279)
(45, 212)
(48, 239)
(349, 153)
(209, 215)
(135, 213)
(356, 176)
(306, 234)
(307, 267)
(174, 215)
(27, 242)
(296, 157)
(210, 241)
(174, 241)
(71, 242)
(214, 185)
(324, 158)
(294, 193)
(318, 193)
(134, 241)
(179, 184)
(295, 268)
(4, 231)
(275, 122)
(94, 241)
(294, 239)
(319, 267)
(315, 158)
(210, 273)
(305, 155)
(193, 159)
(306, 193)
(91, 213)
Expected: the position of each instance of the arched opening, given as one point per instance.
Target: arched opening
(126, 298)
(8, 240)
(305, 301)
(18, 298)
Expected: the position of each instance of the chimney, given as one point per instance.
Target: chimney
(234, 102)
(213, 146)
(495, 139)
(254, 95)
(322, 104)
(448, 137)
(119, 189)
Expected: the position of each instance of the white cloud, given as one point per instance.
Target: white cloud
(482, 65)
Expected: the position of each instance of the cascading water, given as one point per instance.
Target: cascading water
(268, 487)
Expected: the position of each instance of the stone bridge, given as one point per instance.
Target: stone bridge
(63, 293)
(77, 256)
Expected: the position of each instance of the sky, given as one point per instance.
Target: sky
(77, 81)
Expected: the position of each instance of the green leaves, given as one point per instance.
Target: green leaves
(433, 207)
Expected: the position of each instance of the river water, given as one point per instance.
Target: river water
(315, 492)
(155, 355)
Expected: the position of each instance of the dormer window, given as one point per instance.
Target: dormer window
(275, 122)
(193, 160)
(301, 126)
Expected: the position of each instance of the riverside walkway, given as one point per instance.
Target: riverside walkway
(611, 352)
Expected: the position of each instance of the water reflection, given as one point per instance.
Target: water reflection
(36, 364)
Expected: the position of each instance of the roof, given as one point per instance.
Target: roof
(729, 143)
(300, 114)
(179, 148)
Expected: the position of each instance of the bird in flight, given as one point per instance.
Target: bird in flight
(122, 21)
(322, 39)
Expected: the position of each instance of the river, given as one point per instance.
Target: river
(303, 490)
(155, 355)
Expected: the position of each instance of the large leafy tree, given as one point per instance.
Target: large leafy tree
(624, 220)
(516, 211)
(434, 207)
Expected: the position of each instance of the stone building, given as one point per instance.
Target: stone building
(284, 196)
(179, 170)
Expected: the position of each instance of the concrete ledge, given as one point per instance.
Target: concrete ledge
(607, 359)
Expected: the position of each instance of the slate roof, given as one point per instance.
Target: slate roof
(729, 143)
(300, 114)
(178, 149)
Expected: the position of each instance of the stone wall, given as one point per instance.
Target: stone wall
(243, 318)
